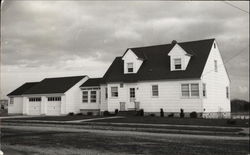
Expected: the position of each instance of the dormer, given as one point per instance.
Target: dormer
(132, 62)
(179, 58)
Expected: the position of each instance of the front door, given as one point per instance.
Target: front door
(122, 106)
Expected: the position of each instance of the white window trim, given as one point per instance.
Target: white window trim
(114, 97)
(174, 63)
(190, 96)
(87, 96)
(95, 96)
(130, 67)
(151, 89)
(11, 101)
(205, 90)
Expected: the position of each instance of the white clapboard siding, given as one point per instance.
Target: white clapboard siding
(216, 83)
(16, 107)
(74, 97)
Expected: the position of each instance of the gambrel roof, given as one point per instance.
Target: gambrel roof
(156, 64)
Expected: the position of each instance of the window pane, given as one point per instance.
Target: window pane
(85, 96)
(177, 63)
(106, 93)
(185, 90)
(93, 96)
(155, 90)
(215, 66)
(11, 100)
(132, 92)
(204, 89)
(227, 92)
(130, 67)
(194, 89)
(114, 91)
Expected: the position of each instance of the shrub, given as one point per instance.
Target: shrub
(193, 114)
(71, 114)
(152, 115)
(79, 114)
(106, 113)
(89, 113)
(171, 115)
(231, 121)
(162, 113)
(182, 113)
(140, 112)
(116, 111)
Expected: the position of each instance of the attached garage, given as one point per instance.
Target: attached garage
(34, 106)
(54, 106)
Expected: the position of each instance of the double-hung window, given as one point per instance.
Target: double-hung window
(215, 66)
(227, 92)
(130, 67)
(85, 96)
(93, 96)
(195, 90)
(177, 64)
(155, 90)
(106, 93)
(132, 94)
(114, 91)
(12, 100)
(204, 90)
(185, 90)
(190, 90)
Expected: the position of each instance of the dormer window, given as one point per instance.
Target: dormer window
(177, 64)
(130, 68)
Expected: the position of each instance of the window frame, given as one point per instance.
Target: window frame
(179, 64)
(11, 100)
(116, 92)
(190, 94)
(35, 99)
(132, 94)
(153, 91)
(227, 92)
(215, 65)
(204, 90)
(188, 90)
(91, 95)
(106, 93)
(84, 101)
(129, 68)
(192, 91)
(54, 98)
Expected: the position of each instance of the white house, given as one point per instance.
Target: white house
(187, 75)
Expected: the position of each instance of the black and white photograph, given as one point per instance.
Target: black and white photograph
(128, 77)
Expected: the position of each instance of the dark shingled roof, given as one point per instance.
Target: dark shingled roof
(20, 90)
(156, 66)
(92, 82)
(54, 85)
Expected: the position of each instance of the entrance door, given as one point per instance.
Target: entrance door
(122, 106)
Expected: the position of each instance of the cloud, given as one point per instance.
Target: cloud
(58, 35)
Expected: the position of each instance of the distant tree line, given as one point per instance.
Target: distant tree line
(240, 106)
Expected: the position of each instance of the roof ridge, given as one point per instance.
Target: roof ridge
(171, 43)
(65, 77)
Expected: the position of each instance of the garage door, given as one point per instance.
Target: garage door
(54, 108)
(34, 107)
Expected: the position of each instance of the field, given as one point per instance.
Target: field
(32, 140)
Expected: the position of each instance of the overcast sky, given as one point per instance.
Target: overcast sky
(59, 38)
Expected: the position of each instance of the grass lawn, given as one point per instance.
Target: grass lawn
(177, 121)
(60, 142)
(57, 118)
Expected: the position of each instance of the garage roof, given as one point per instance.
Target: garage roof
(20, 90)
(54, 85)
